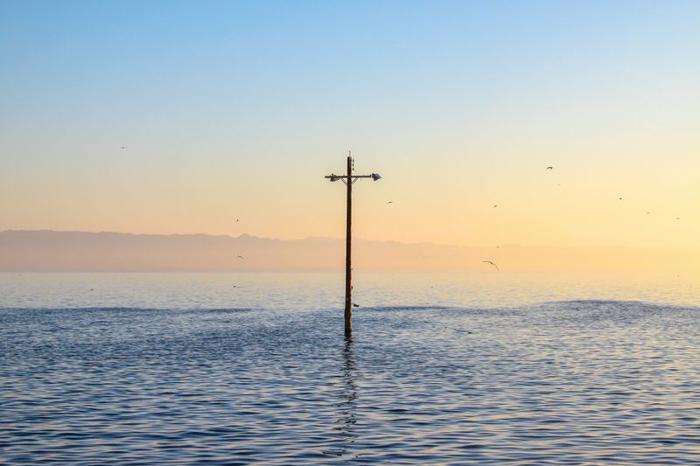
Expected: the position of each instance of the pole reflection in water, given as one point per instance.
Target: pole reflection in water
(347, 399)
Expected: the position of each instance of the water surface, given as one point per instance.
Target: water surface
(186, 369)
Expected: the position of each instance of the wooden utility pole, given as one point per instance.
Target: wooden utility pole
(348, 252)
(349, 179)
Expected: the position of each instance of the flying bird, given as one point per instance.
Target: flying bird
(549, 168)
(236, 220)
(389, 202)
(123, 147)
(240, 257)
(355, 305)
(492, 263)
(495, 205)
(620, 198)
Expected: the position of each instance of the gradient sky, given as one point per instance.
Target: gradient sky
(238, 109)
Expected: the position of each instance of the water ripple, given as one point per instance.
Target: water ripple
(573, 382)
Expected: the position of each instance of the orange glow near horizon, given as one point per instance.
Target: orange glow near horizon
(446, 200)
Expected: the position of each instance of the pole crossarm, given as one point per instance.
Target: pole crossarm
(331, 177)
(353, 178)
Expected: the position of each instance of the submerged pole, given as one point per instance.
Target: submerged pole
(349, 179)
(348, 252)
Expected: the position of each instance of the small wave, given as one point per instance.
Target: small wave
(582, 304)
(409, 308)
(128, 309)
(623, 304)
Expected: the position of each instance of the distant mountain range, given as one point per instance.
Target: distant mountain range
(63, 251)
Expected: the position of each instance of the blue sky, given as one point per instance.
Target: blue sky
(280, 90)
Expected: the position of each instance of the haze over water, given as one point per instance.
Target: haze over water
(442, 369)
(315, 291)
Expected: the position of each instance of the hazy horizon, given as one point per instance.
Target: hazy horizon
(339, 237)
(46, 250)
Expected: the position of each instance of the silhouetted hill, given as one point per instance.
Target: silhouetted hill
(80, 251)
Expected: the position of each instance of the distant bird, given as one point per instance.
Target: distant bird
(240, 257)
(648, 212)
(236, 220)
(355, 305)
(549, 168)
(495, 205)
(123, 147)
(678, 218)
(390, 202)
(620, 198)
(492, 263)
(497, 247)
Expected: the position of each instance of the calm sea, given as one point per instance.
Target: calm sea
(188, 369)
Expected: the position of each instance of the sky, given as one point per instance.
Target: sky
(236, 110)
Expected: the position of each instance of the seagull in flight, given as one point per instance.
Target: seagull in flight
(492, 263)
(495, 205)
(240, 257)
(549, 168)
(389, 202)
